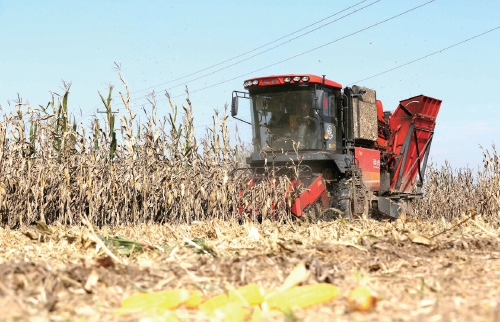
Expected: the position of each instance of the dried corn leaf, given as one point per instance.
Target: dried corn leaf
(91, 281)
(123, 246)
(417, 239)
(200, 246)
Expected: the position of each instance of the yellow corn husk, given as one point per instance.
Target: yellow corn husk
(249, 295)
(302, 296)
(195, 300)
(213, 303)
(164, 300)
(171, 318)
(232, 312)
(298, 275)
(361, 299)
(166, 316)
(256, 314)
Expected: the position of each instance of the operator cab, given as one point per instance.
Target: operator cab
(293, 112)
(284, 117)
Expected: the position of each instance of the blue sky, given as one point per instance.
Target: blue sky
(44, 42)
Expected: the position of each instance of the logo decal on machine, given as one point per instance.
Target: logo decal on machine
(329, 132)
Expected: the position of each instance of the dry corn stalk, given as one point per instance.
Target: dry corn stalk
(158, 171)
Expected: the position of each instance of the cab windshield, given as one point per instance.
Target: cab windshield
(285, 117)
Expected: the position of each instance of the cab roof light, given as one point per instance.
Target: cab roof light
(255, 82)
(287, 79)
(296, 78)
(305, 78)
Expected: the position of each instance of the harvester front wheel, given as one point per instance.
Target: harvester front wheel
(341, 198)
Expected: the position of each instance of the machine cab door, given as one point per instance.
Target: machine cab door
(327, 105)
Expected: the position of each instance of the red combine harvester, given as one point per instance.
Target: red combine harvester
(353, 156)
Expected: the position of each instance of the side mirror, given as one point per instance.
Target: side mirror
(235, 101)
(234, 106)
(318, 100)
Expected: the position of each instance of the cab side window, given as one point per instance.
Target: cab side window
(332, 105)
(329, 105)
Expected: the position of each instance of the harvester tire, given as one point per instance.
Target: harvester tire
(342, 197)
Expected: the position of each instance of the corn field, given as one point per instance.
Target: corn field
(450, 193)
(54, 171)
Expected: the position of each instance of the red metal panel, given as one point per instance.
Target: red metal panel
(380, 111)
(369, 162)
(412, 125)
(315, 190)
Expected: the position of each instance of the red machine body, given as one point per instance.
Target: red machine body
(402, 149)
(369, 162)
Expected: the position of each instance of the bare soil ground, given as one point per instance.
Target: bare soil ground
(59, 273)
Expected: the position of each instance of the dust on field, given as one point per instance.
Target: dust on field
(61, 273)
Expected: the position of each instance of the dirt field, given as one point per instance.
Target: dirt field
(60, 273)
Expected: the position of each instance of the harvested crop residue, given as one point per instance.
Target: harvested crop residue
(61, 273)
